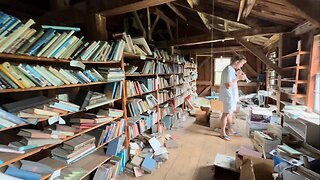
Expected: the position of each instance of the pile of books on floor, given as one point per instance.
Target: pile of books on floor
(111, 74)
(166, 109)
(27, 170)
(53, 42)
(140, 124)
(147, 153)
(112, 168)
(27, 76)
(75, 149)
(137, 106)
(141, 86)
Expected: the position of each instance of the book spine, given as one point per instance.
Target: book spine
(47, 36)
(11, 117)
(29, 42)
(9, 75)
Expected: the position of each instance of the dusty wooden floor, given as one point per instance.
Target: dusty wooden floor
(194, 157)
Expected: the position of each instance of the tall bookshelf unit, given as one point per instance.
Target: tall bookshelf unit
(94, 160)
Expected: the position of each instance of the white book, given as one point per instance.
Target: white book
(44, 75)
(63, 49)
(73, 49)
(60, 43)
(59, 75)
(23, 36)
(68, 76)
(56, 42)
(57, 80)
(8, 177)
(88, 50)
(84, 77)
(5, 32)
(48, 45)
(31, 33)
(15, 35)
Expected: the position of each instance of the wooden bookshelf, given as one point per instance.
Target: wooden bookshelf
(51, 60)
(136, 56)
(53, 87)
(140, 75)
(294, 54)
(137, 95)
(9, 158)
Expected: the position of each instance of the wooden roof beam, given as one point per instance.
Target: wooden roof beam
(258, 53)
(260, 31)
(133, 7)
(249, 7)
(175, 10)
(164, 17)
(215, 49)
(309, 9)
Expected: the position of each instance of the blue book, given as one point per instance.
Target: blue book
(167, 121)
(11, 117)
(90, 75)
(149, 164)
(64, 28)
(45, 38)
(26, 175)
(6, 26)
(63, 45)
(64, 107)
(38, 75)
(115, 146)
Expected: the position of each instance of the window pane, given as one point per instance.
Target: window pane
(219, 65)
(217, 77)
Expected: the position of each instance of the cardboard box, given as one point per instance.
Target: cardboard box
(252, 166)
(216, 105)
(262, 144)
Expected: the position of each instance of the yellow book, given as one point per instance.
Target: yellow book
(18, 75)
(17, 81)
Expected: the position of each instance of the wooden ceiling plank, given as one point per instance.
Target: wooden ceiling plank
(215, 49)
(154, 24)
(133, 7)
(250, 4)
(302, 28)
(164, 17)
(309, 9)
(259, 54)
(241, 7)
(175, 10)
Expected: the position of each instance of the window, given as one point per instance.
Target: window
(219, 65)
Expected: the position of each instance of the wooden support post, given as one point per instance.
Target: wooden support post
(136, 16)
(154, 24)
(97, 27)
(149, 25)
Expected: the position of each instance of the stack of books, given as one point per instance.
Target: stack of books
(163, 83)
(27, 76)
(87, 120)
(75, 149)
(110, 112)
(165, 109)
(32, 138)
(163, 68)
(141, 86)
(111, 131)
(111, 74)
(165, 95)
(137, 106)
(139, 124)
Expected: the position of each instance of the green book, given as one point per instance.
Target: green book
(30, 42)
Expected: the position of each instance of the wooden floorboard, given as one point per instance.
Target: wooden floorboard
(198, 145)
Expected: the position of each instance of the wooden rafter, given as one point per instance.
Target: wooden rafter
(258, 53)
(249, 7)
(309, 9)
(137, 18)
(164, 17)
(241, 7)
(175, 10)
(154, 24)
(216, 49)
(260, 31)
(303, 28)
(133, 7)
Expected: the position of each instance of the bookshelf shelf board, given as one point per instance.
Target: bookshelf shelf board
(45, 59)
(292, 94)
(135, 56)
(140, 75)
(294, 67)
(91, 162)
(294, 81)
(9, 158)
(190, 67)
(103, 144)
(52, 87)
(164, 74)
(142, 94)
(295, 54)
(168, 87)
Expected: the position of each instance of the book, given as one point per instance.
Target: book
(19, 173)
(154, 143)
(12, 77)
(115, 146)
(66, 154)
(40, 142)
(32, 133)
(35, 167)
(44, 39)
(58, 133)
(8, 149)
(41, 112)
(8, 80)
(78, 157)
(8, 177)
(25, 103)
(78, 142)
(136, 161)
(30, 42)
(149, 164)
(11, 117)
(21, 147)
